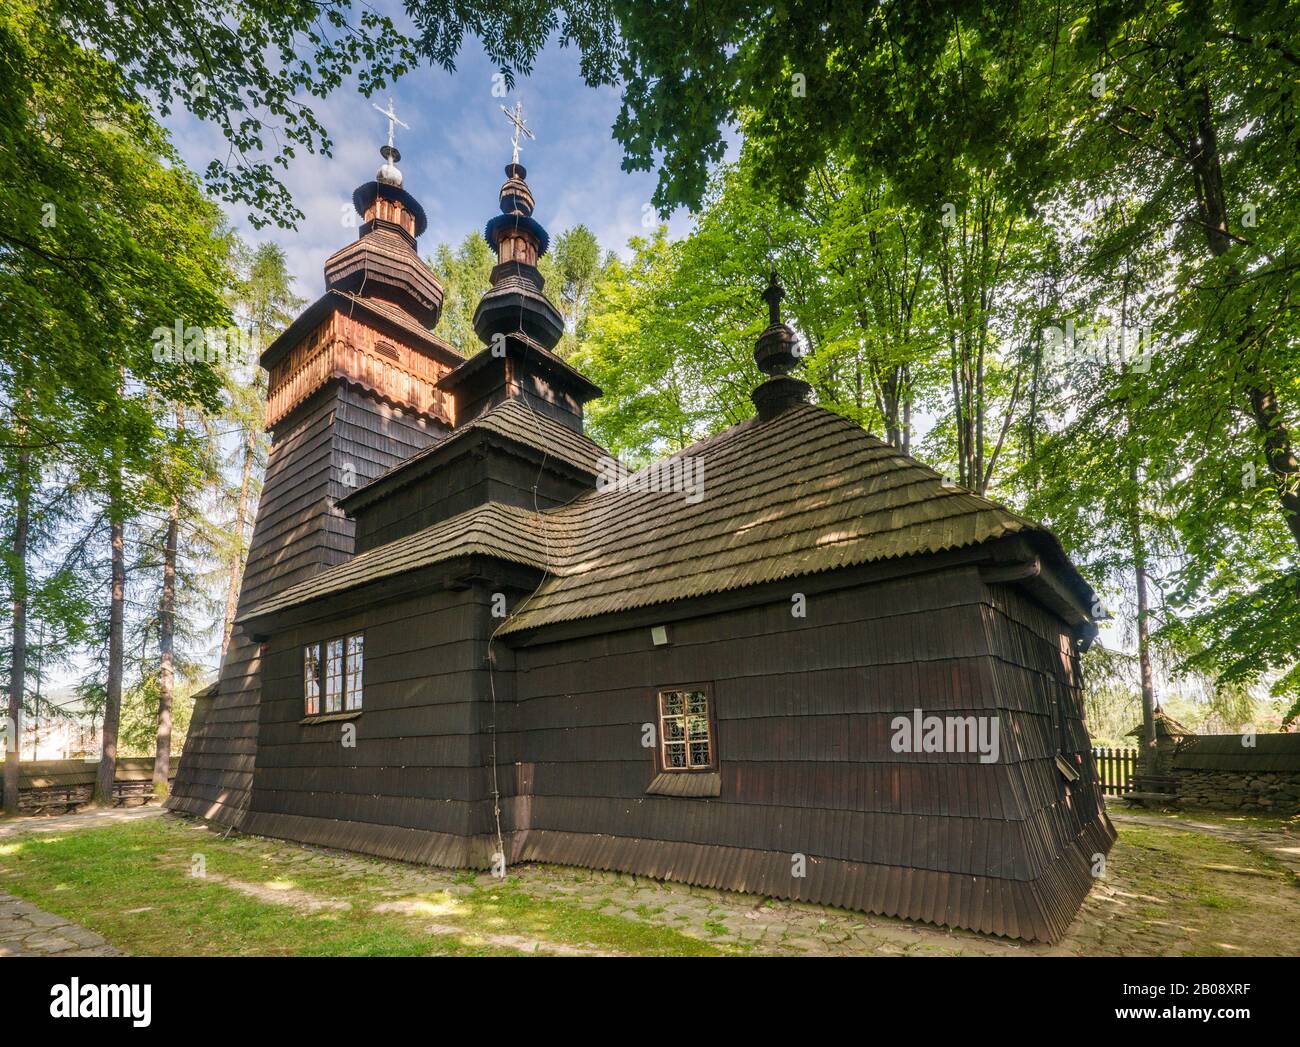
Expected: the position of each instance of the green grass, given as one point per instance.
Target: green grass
(1189, 875)
(1242, 820)
(132, 883)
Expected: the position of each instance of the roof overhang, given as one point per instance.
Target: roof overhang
(988, 558)
(532, 353)
(453, 574)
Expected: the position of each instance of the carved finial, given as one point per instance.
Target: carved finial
(776, 354)
(773, 294)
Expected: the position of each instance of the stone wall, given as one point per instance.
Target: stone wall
(1233, 772)
(1271, 792)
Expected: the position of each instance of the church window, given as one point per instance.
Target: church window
(311, 678)
(685, 731)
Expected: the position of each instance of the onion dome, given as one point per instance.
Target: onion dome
(389, 174)
(776, 353)
(382, 262)
(515, 303)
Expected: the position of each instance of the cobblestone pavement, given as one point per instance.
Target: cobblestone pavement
(26, 930)
(1143, 906)
(1136, 909)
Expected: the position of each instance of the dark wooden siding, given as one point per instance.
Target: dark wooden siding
(297, 533)
(495, 384)
(488, 472)
(804, 709)
(415, 784)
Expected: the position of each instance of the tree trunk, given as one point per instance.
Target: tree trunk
(113, 702)
(241, 529)
(1144, 648)
(1147, 754)
(166, 641)
(18, 665)
(1212, 212)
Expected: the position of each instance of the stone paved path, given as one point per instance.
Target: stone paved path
(26, 930)
(87, 819)
(1151, 901)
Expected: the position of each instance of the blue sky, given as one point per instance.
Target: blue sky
(453, 158)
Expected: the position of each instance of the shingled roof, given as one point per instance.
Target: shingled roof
(374, 308)
(512, 419)
(802, 493)
(505, 532)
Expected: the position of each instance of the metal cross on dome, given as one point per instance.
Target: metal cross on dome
(516, 117)
(392, 119)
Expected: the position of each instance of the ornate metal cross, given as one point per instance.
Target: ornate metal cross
(392, 119)
(516, 117)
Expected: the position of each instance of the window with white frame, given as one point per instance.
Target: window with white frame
(355, 661)
(311, 679)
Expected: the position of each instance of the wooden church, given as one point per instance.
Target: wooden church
(463, 640)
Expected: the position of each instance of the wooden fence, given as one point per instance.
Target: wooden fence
(55, 786)
(1116, 768)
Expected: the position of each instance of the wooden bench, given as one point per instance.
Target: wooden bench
(61, 786)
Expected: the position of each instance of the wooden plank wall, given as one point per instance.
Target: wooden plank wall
(415, 784)
(297, 533)
(804, 708)
(40, 774)
(492, 472)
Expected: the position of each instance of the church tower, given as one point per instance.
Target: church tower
(517, 323)
(352, 392)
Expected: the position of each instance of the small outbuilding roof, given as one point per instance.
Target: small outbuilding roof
(1165, 725)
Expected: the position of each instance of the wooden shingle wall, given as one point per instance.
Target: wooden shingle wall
(413, 785)
(492, 471)
(298, 532)
(804, 710)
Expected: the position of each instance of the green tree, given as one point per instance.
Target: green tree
(108, 239)
(463, 272)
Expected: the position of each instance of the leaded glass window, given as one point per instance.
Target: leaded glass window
(685, 731)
